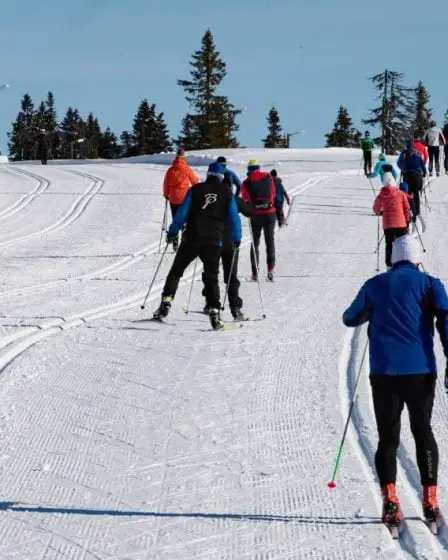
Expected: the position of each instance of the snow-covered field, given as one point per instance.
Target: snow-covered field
(125, 439)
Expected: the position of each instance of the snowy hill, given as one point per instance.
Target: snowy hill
(121, 438)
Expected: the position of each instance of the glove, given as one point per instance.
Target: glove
(236, 245)
(446, 377)
(166, 197)
(170, 238)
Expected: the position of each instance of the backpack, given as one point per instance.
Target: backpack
(261, 192)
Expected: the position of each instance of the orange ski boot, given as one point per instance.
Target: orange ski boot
(430, 503)
(391, 505)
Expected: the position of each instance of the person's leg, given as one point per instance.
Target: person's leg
(210, 256)
(184, 256)
(389, 236)
(445, 149)
(232, 282)
(437, 158)
(365, 156)
(174, 208)
(369, 162)
(269, 238)
(256, 225)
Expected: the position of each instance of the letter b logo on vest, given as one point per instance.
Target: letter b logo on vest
(210, 198)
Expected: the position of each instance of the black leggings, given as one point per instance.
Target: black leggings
(445, 149)
(390, 235)
(434, 156)
(367, 162)
(390, 394)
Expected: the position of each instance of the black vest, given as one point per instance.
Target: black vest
(208, 213)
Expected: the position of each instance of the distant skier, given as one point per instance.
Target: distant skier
(42, 146)
(434, 139)
(367, 147)
(231, 175)
(280, 196)
(393, 204)
(178, 179)
(445, 147)
(414, 170)
(206, 209)
(383, 166)
(259, 191)
(401, 306)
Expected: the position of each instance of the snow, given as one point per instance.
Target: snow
(126, 439)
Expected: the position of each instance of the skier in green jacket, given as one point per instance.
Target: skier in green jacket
(367, 146)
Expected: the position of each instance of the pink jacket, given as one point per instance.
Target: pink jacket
(395, 207)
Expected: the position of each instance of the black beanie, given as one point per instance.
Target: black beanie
(221, 160)
(274, 172)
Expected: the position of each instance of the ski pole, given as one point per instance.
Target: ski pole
(258, 269)
(378, 247)
(373, 188)
(332, 483)
(420, 237)
(163, 225)
(187, 309)
(235, 253)
(379, 243)
(154, 278)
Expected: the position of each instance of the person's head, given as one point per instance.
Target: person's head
(410, 144)
(367, 134)
(404, 187)
(388, 180)
(273, 172)
(222, 160)
(406, 248)
(432, 124)
(180, 152)
(216, 170)
(382, 157)
(252, 166)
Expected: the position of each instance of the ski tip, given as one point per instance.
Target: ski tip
(332, 485)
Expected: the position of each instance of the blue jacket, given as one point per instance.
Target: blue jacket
(412, 163)
(400, 307)
(183, 212)
(380, 171)
(233, 180)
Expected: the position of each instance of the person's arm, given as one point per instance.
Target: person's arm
(166, 187)
(244, 207)
(234, 222)
(192, 177)
(376, 170)
(359, 311)
(236, 181)
(400, 162)
(377, 205)
(406, 208)
(244, 193)
(288, 200)
(181, 215)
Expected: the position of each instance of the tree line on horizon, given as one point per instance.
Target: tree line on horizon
(211, 121)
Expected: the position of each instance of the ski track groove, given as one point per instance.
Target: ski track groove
(415, 540)
(25, 200)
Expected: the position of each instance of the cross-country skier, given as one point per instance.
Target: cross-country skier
(445, 148)
(434, 139)
(206, 209)
(43, 146)
(400, 307)
(231, 175)
(367, 146)
(413, 169)
(383, 166)
(393, 204)
(280, 196)
(259, 191)
(178, 179)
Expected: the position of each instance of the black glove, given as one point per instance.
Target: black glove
(170, 238)
(446, 377)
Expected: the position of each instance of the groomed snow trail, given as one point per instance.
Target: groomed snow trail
(126, 439)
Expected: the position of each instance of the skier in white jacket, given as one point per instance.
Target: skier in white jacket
(434, 138)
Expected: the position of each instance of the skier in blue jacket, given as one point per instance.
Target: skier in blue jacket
(230, 176)
(401, 306)
(383, 166)
(413, 168)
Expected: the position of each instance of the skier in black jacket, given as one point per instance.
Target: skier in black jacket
(206, 210)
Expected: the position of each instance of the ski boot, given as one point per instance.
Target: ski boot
(206, 309)
(430, 504)
(237, 314)
(391, 506)
(254, 277)
(163, 309)
(271, 275)
(215, 319)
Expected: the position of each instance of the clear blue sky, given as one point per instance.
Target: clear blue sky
(306, 56)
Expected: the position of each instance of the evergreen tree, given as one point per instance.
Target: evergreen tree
(128, 145)
(21, 143)
(212, 124)
(91, 146)
(394, 115)
(150, 131)
(161, 135)
(274, 138)
(423, 115)
(343, 135)
(72, 129)
(108, 146)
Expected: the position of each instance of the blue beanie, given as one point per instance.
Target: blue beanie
(404, 187)
(216, 170)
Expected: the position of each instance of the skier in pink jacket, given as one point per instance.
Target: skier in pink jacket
(393, 204)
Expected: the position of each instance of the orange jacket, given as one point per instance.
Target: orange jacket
(395, 207)
(178, 179)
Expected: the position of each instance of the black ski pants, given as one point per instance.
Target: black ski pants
(263, 223)
(280, 214)
(415, 184)
(210, 256)
(390, 394)
(231, 281)
(367, 162)
(434, 155)
(445, 149)
(390, 235)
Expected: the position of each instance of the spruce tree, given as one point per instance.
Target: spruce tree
(275, 137)
(343, 135)
(92, 138)
(212, 124)
(22, 138)
(108, 146)
(72, 129)
(150, 130)
(423, 115)
(128, 145)
(394, 115)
